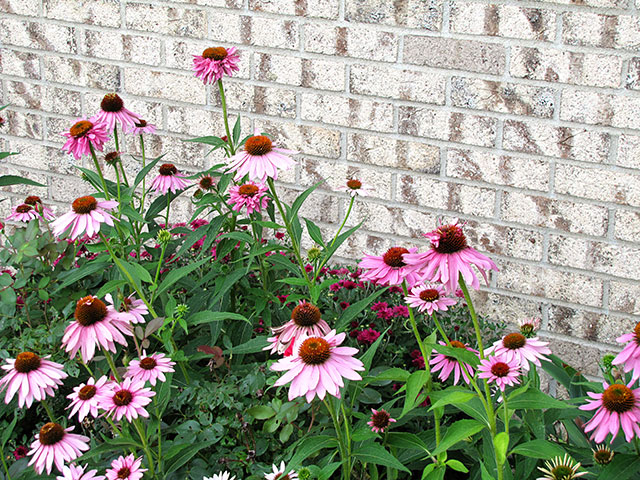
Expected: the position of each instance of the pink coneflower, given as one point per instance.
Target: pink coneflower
(130, 310)
(380, 420)
(355, 187)
(390, 268)
(150, 368)
(260, 159)
(499, 370)
(73, 472)
(86, 215)
(84, 134)
(214, 63)
(94, 324)
(318, 366)
(430, 298)
(249, 195)
(38, 206)
(529, 326)
(112, 110)
(523, 350)
(23, 213)
(561, 468)
(127, 399)
(281, 473)
(126, 468)
(618, 406)
(85, 398)
(449, 257)
(142, 126)
(446, 364)
(32, 377)
(220, 476)
(54, 444)
(630, 354)
(306, 319)
(169, 179)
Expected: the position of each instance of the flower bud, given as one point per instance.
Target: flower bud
(164, 237)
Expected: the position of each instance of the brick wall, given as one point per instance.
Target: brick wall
(521, 117)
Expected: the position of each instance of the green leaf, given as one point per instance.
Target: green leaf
(474, 409)
(535, 399)
(261, 412)
(252, 346)
(460, 354)
(6, 434)
(293, 281)
(393, 374)
(457, 465)
(309, 446)
(174, 275)
(485, 473)
(268, 224)
(415, 383)
(622, 467)
(367, 358)
(456, 433)
(354, 310)
(297, 203)
(236, 130)
(210, 140)
(452, 397)
(370, 452)
(6, 180)
(538, 449)
(207, 316)
(501, 444)
(143, 173)
(185, 456)
(314, 232)
(406, 440)
(73, 276)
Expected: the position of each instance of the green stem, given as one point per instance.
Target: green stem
(326, 259)
(472, 312)
(4, 464)
(225, 115)
(46, 406)
(112, 365)
(166, 223)
(145, 446)
(118, 186)
(155, 280)
(341, 447)
(124, 174)
(347, 435)
(99, 170)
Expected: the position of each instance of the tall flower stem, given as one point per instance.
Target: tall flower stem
(112, 365)
(168, 207)
(47, 408)
(472, 312)
(225, 115)
(115, 136)
(4, 464)
(99, 170)
(326, 259)
(345, 455)
(145, 446)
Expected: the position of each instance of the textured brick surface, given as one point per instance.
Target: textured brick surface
(521, 119)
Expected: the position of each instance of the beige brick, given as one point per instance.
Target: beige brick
(94, 12)
(339, 110)
(628, 225)
(563, 66)
(305, 139)
(385, 219)
(593, 3)
(184, 22)
(229, 27)
(629, 151)
(625, 297)
(118, 46)
(600, 109)
(321, 207)
(229, 4)
(308, 8)
(148, 83)
(562, 142)
(402, 84)
(438, 194)
(388, 152)
(423, 14)
(323, 75)
(632, 80)
(555, 214)
(310, 73)
(469, 55)
(531, 174)
(592, 29)
(21, 7)
(507, 308)
(279, 102)
(81, 73)
(19, 64)
(597, 184)
(23, 94)
(505, 241)
(194, 121)
(20, 124)
(271, 32)
(150, 110)
(358, 42)
(503, 21)
(62, 101)
(445, 125)
(35, 156)
(182, 153)
(502, 97)
(546, 282)
(41, 36)
(581, 323)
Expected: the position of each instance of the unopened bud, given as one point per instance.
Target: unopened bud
(164, 237)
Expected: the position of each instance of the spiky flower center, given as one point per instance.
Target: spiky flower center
(514, 341)
(636, 332)
(112, 157)
(168, 169)
(24, 208)
(90, 310)
(618, 398)
(80, 128)
(141, 123)
(206, 182)
(603, 455)
(215, 53)
(51, 433)
(393, 257)
(315, 351)
(122, 398)
(429, 295)
(562, 472)
(306, 314)
(33, 200)
(124, 472)
(148, 363)
(258, 145)
(248, 190)
(87, 392)
(84, 205)
(112, 103)
(354, 184)
(27, 362)
(380, 419)
(451, 239)
(500, 369)
(527, 329)
(126, 304)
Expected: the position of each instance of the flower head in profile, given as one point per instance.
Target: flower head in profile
(31, 377)
(83, 135)
(629, 357)
(126, 468)
(448, 258)
(529, 326)
(36, 202)
(515, 346)
(380, 420)
(306, 319)
(207, 183)
(112, 110)
(561, 468)
(54, 444)
(389, 268)
(618, 406)
(602, 454)
(127, 399)
(23, 213)
(220, 476)
(142, 126)
(280, 473)
(260, 159)
(214, 63)
(497, 369)
(94, 325)
(446, 364)
(130, 309)
(250, 195)
(317, 366)
(85, 397)
(73, 472)
(354, 187)
(429, 298)
(168, 179)
(150, 368)
(86, 216)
